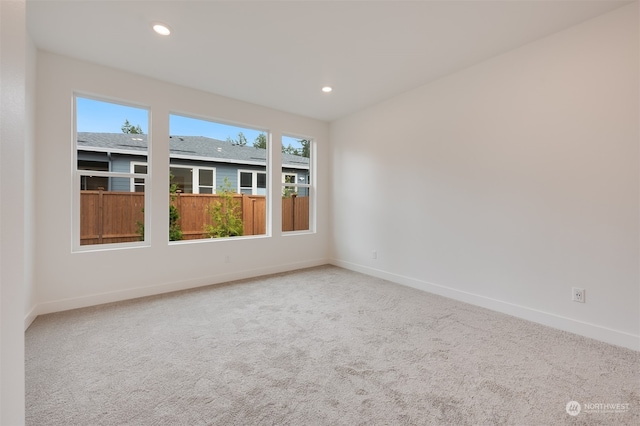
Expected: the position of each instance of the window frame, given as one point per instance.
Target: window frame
(196, 183)
(77, 175)
(310, 183)
(195, 177)
(266, 164)
(132, 168)
(285, 174)
(254, 181)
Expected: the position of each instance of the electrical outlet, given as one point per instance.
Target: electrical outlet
(577, 294)
(374, 254)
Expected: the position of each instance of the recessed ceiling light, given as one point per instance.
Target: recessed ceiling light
(327, 89)
(161, 29)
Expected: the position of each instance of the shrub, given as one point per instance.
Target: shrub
(226, 214)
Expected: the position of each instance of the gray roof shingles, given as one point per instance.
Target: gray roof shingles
(196, 147)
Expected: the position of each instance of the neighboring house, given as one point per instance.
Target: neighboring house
(198, 164)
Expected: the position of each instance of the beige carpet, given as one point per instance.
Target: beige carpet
(322, 346)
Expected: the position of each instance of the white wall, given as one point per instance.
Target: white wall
(68, 280)
(30, 208)
(507, 183)
(15, 259)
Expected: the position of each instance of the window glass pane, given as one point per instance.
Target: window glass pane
(111, 138)
(140, 168)
(206, 177)
(227, 162)
(104, 127)
(296, 174)
(94, 183)
(183, 179)
(102, 166)
(295, 210)
(108, 217)
(246, 180)
(262, 180)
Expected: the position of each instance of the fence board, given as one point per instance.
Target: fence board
(287, 214)
(301, 213)
(110, 217)
(295, 213)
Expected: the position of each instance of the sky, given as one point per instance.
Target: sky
(105, 117)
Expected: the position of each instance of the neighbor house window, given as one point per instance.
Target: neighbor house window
(111, 155)
(218, 178)
(88, 182)
(252, 182)
(289, 178)
(297, 200)
(193, 180)
(137, 184)
(205, 180)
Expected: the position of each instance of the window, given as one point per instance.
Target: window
(193, 180)
(182, 177)
(111, 152)
(206, 178)
(289, 177)
(137, 184)
(296, 184)
(94, 183)
(219, 178)
(252, 182)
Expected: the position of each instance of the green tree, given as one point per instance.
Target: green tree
(130, 128)
(175, 231)
(288, 191)
(261, 141)
(242, 140)
(290, 150)
(226, 214)
(306, 147)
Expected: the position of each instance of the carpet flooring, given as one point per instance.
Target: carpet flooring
(321, 346)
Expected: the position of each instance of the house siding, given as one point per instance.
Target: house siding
(122, 164)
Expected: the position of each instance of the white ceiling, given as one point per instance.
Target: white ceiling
(279, 54)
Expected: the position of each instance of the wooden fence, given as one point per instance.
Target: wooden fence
(113, 217)
(194, 214)
(295, 213)
(110, 217)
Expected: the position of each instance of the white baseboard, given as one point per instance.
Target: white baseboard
(31, 316)
(581, 328)
(133, 293)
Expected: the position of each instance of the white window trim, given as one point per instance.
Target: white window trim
(195, 176)
(295, 179)
(132, 168)
(75, 186)
(310, 184)
(254, 181)
(196, 179)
